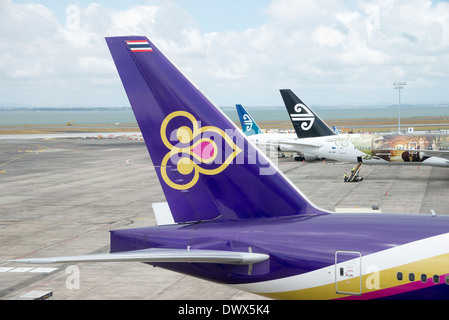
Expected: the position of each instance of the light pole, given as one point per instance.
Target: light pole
(399, 86)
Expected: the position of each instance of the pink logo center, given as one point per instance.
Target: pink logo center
(205, 150)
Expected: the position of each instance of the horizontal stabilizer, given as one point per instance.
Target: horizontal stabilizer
(434, 153)
(159, 256)
(302, 143)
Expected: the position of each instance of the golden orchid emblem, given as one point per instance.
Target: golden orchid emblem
(195, 148)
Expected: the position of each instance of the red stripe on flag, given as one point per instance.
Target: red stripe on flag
(142, 50)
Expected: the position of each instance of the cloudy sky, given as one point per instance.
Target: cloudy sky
(331, 52)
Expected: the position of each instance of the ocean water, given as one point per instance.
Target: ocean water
(357, 112)
(126, 116)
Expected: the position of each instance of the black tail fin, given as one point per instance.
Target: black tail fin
(307, 123)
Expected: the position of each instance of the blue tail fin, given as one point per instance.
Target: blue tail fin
(249, 126)
(207, 169)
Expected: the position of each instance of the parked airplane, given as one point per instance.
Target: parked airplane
(385, 148)
(260, 138)
(275, 140)
(239, 221)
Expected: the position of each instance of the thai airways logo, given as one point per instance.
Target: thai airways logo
(194, 150)
(304, 116)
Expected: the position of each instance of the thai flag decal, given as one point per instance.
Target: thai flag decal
(139, 46)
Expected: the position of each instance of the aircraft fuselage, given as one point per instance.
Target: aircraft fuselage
(327, 256)
(379, 148)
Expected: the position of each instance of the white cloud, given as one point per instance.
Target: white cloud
(327, 37)
(359, 49)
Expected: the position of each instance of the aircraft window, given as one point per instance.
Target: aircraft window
(411, 276)
(423, 278)
(447, 279)
(400, 276)
(436, 278)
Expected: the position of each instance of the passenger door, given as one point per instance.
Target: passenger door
(348, 268)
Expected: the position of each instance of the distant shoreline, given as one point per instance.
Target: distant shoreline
(54, 129)
(356, 125)
(372, 125)
(18, 107)
(125, 115)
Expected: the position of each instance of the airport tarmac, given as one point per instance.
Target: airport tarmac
(61, 196)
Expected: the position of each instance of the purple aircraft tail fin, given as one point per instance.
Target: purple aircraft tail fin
(207, 168)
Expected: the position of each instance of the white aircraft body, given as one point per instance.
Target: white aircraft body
(270, 140)
(374, 149)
